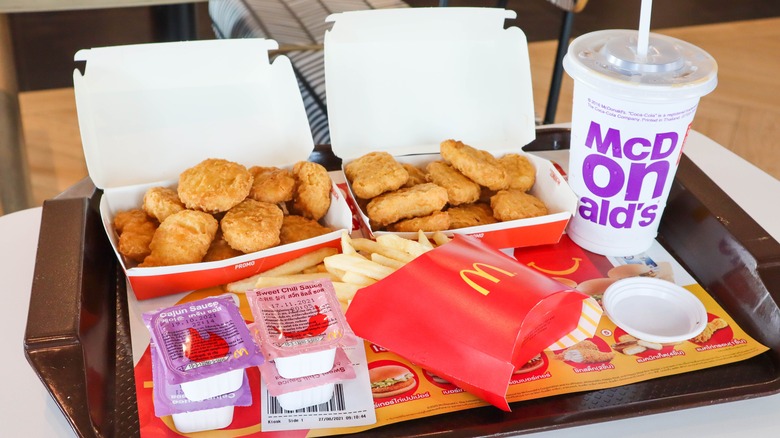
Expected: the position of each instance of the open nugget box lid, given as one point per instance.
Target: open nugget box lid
(149, 111)
(404, 80)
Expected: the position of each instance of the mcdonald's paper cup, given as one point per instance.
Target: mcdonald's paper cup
(630, 119)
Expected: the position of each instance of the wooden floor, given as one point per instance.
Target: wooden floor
(743, 113)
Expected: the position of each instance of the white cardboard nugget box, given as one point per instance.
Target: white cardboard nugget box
(404, 80)
(147, 112)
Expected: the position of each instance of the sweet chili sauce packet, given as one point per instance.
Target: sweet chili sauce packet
(469, 313)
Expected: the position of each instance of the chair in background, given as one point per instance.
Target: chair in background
(569, 7)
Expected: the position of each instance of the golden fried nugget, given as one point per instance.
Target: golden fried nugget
(252, 225)
(125, 218)
(470, 215)
(296, 228)
(214, 185)
(183, 237)
(161, 202)
(419, 200)
(513, 204)
(272, 184)
(135, 229)
(416, 175)
(375, 173)
(220, 249)
(478, 165)
(460, 189)
(438, 221)
(521, 174)
(313, 185)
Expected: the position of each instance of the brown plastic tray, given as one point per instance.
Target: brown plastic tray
(78, 338)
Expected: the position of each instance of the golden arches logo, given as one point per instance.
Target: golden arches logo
(576, 265)
(479, 272)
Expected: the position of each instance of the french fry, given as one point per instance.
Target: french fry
(242, 286)
(282, 280)
(357, 279)
(314, 269)
(293, 266)
(422, 239)
(346, 243)
(440, 238)
(358, 264)
(338, 273)
(387, 261)
(406, 245)
(345, 291)
(367, 245)
(298, 264)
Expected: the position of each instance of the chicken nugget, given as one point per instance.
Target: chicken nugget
(214, 185)
(521, 174)
(438, 221)
(183, 237)
(470, 215)
(252, 225)
(296, 228)
(416, 175)
(272, 184)
(513, 204)
(375, 173)
(220, 249)
(419, 200)
(313, 185)
(161, 202)
(135, 229)
(460, 189)
(127, 218)
(478, 165)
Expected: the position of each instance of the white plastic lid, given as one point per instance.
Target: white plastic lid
(654, 310)
(404, 80)
(673, 69)
(149, 111)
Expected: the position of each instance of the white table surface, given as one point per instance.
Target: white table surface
(27, 410)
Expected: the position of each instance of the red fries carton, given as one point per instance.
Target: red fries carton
(147, 112)
(473, 316)
(402, 81)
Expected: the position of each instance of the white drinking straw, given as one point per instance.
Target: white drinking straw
(644, 29)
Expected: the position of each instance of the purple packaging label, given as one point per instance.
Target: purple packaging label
(169, 398)
(278, 385)
(202, 339)
(638, 173)
(298, 318)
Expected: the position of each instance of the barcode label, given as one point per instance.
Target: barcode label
(350, 405)
(335, 404)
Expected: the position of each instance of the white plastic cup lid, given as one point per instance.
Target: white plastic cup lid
(672, 70)
(654, 310)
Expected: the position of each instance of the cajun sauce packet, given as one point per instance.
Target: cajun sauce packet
(468, 313)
